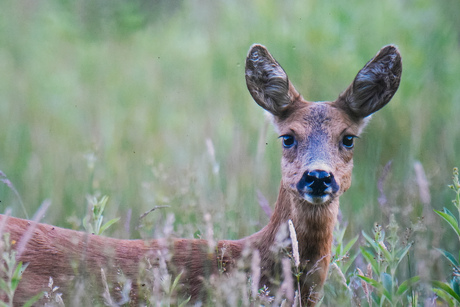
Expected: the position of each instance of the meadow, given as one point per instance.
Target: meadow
(146, 102)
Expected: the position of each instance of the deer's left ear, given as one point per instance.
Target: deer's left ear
(374, 85)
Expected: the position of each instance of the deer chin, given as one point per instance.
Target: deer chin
(317, 199)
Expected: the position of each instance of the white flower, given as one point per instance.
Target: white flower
(295, 244)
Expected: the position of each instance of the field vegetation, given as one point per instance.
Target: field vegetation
(145, 102)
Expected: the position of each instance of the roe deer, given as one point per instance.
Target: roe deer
(317, 140)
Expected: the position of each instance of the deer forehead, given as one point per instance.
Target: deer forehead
(318, 122)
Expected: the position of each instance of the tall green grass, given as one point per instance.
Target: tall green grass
(146, 102)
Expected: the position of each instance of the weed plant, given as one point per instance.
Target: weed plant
(145, 102)
(450, 291)
(10, 273)
(381, 285)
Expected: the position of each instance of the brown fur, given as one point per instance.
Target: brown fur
(318, 129)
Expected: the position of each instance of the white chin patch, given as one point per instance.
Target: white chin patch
(317, 200)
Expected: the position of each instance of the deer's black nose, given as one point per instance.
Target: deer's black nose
(317, 183)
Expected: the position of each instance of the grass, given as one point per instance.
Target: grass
(146, 102)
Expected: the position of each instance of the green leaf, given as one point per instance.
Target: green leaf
(376, 298)
(406, 285)
(380, 235)
(378, 286)
(451, 214)
(370, 258)
(98, 224)
(444, 296)
(176, 281)
(108, 224)
(455, 285)
(385, 252)
(402, 253)
(17, 275)
(372, 282)
(184, 303)
(34, 299)
(449, 256)
(387, 282)
(3, 285)
(103, 202)
(452, 221)
(346, 265)
(446, 288)
(338, 250)
(350, 244)
(371, 241)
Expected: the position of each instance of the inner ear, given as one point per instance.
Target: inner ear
(374, 85)
(267, 81)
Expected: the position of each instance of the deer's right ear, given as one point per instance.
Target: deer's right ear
(267, 81)
(374, 85)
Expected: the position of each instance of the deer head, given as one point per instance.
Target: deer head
(317, 137)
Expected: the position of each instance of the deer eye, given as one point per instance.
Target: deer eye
(288, 141)
(347, 141)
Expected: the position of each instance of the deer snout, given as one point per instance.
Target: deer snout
(317, 186)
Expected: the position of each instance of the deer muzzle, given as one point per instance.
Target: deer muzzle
(317, 186)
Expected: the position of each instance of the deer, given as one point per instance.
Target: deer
(317, 141)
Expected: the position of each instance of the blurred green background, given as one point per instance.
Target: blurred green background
(146, 102)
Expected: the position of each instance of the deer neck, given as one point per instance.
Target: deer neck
(314, 225)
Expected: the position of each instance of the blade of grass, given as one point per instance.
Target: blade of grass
(450, 220)
(446, 288)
